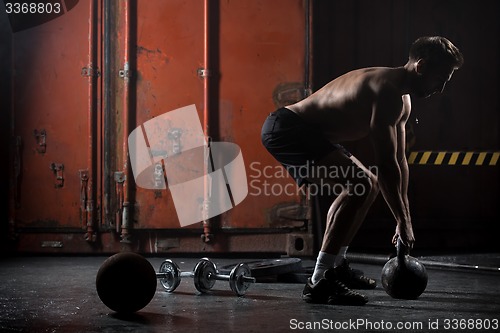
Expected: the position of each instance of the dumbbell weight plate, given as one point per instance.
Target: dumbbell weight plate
(236, 281)
(172, 279)
(203, 272)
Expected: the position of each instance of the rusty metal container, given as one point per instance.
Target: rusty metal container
(88, 77)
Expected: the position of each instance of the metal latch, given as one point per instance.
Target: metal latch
(203, 72)
(90, 71)
(120, 177)
(174, 136)
(159, 178)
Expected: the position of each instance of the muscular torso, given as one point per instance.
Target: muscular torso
(342, 110)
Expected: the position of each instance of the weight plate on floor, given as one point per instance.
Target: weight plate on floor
(268, 267)
(172, 278)
(236, 279)
(203, 275)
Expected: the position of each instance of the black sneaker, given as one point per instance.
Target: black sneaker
(329, 290)
(354, 278)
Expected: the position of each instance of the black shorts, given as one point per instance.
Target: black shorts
(294, 143)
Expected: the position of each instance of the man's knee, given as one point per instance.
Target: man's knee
(365, 187)
(374, 187)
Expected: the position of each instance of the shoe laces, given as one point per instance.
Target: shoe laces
(333, 279)
(345, 269)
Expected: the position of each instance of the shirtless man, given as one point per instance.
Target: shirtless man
(373, 102)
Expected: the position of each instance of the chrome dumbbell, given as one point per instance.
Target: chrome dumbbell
(170, 275)
(205, 275)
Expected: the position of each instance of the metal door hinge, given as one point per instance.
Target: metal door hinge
(58, 169)
(41, 140)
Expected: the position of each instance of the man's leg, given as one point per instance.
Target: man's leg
(349, 209)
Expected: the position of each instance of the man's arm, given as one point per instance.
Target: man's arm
(401, 153)
(387, 132)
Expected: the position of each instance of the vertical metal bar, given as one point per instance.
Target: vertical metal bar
(126, 86)
(206, 64)
(207, 226)
(98, 171)
(308, 72)
(106, 129)
(125, 125)
(90, 236)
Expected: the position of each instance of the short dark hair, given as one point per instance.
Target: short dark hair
(436, 50)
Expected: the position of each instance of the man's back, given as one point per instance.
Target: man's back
(342, 109)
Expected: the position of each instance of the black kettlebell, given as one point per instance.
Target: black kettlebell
(403, 276)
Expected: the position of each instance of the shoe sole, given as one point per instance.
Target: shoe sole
(333, 301)
(311, 300)
(336, 301)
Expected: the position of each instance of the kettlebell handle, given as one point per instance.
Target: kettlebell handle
(401, 249)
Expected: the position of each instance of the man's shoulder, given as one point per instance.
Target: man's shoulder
(362, 80)
(371, 81)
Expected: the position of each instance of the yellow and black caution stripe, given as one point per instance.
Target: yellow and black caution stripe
(471, 158)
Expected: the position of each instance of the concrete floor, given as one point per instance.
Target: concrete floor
(57, 294)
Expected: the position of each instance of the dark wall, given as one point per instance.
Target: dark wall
(5, 89)
(453, 207)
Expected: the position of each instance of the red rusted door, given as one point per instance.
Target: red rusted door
(54, 117)
(235, 62)
(87, 79)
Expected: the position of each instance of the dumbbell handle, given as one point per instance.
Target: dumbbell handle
(167, 275)
(223, 277)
